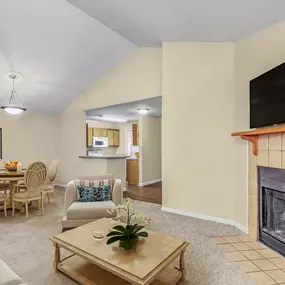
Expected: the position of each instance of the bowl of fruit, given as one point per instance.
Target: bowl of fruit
(11, 165)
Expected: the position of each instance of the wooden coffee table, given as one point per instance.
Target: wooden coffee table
(96, 263)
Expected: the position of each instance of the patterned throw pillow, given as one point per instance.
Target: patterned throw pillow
(91, 183)
(94, 193)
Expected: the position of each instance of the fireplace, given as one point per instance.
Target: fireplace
(272, 208)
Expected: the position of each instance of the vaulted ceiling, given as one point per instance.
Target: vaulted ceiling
(150, 22)
(62, 47)
(59, 50)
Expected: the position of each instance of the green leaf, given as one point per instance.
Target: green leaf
(142, 234)
(113, 233)
(114, 239)
(128, 232)
(119, 228)
(127, 244)
(138, 228)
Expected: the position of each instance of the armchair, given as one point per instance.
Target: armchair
(80, 213)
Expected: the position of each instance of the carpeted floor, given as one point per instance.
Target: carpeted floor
(25, 245)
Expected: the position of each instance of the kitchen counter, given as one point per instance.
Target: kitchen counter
(106, 164)
(104, 157)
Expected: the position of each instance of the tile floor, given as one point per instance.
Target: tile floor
(263, 265)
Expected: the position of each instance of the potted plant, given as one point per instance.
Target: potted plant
(129, 234)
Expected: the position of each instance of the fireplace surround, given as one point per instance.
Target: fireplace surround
(271, 198)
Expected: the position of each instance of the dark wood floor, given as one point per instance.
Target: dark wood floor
(151, 193)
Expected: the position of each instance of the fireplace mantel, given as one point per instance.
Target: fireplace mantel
(252, 135)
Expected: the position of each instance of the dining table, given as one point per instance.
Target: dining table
(12, 178)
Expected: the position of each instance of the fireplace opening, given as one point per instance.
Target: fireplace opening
(272, 208)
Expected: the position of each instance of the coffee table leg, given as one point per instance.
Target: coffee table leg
(182, 265)
(56, 256)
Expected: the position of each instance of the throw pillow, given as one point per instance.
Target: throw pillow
(91, 183)
(94, 193)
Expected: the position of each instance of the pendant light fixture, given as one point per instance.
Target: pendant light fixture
(13, 108)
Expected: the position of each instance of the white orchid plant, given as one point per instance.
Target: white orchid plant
(131, 214)
(128, 235)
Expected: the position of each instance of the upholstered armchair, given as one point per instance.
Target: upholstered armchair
(80, 213)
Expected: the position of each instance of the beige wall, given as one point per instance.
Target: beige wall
(138, 77)
(99, 124)
(123, 127)
(150, 149)
(205, 97)
(253, 56)
(28, 137)
(198, 117)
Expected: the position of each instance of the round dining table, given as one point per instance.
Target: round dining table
(11, 177)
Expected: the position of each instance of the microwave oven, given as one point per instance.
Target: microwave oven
(100, 142)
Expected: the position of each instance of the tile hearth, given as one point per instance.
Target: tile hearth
(262, 265)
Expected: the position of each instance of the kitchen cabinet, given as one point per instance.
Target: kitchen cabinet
(116, 137)
(103, 132)
(96, 132)
(135, 128)
(112, 134)
(111, 137)
(89, 137)
(133, 171)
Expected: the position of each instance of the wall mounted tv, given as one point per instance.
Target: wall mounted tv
(267, 98)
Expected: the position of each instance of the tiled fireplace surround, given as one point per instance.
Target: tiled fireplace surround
(271, 153)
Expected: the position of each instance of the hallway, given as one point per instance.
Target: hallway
(151, 193)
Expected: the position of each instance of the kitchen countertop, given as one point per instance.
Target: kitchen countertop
(122, 156)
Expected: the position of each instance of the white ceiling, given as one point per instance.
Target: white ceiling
(59, 50)
(150, 22)
(128, 110)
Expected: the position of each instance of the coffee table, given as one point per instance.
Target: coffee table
(96, 263)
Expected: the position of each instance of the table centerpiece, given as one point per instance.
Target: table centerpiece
(128, 235)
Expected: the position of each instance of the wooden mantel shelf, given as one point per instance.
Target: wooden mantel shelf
(252, 135)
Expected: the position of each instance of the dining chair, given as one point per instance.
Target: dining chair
(48, 187)
(4, 186)
(34, 179)
(3, 198)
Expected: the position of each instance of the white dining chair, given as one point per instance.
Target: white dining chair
(48, 188)
(3, 198)
(34, 179)
(4, 186)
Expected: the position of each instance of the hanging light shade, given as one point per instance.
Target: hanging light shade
(13, 108)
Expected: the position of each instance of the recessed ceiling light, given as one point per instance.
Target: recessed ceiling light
(143, 111)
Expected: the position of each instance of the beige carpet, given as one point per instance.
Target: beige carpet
(25, 245)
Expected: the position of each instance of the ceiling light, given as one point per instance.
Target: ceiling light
(108, 119)
(13, 108)
(113, 119)
(143, 111)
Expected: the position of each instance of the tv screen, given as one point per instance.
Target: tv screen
(267, 98)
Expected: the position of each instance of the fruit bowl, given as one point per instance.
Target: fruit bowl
(11, 165)
(11, 168)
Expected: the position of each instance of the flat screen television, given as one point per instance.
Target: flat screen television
(267, 98)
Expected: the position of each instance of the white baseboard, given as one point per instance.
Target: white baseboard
(149, 182)
(60, 185)
(206, 217)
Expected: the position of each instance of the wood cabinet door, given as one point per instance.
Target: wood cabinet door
(111, 137)
(103, 133)
(90, 137)
(133, 171)
(135, 134)
(116, 138)
(96, 132)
